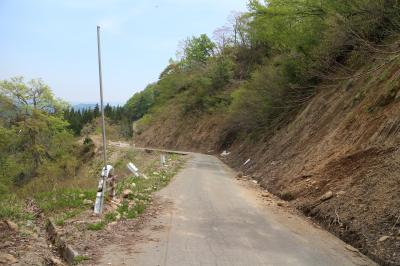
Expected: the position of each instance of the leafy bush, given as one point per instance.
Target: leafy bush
(256, 102)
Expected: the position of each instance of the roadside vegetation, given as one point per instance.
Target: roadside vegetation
(265, 64)
(134, 194)
(50, 169)
(132, 204)
(47, 152)
(37, 150)
(40, 159)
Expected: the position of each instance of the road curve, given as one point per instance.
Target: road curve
(213, 220)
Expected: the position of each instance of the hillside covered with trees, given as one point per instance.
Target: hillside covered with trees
(267, 62)
(38, 135)
(308, 90)
(35, 139)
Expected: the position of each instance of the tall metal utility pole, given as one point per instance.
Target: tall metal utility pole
(104, 177)
(101, 99)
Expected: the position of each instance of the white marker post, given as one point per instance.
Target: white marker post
(135, 170)
(106, 173)
(163, 160)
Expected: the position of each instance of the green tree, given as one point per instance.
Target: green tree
(96, 110)
(221, 71)
(8, 166)
(140, 103)
(198, 49)
(37, 121)
(33, 95)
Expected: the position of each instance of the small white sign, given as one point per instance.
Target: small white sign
(108, 171)
(163, 160)
(133, 169)
(225, 153)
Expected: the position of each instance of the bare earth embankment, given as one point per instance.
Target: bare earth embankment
(337, 160)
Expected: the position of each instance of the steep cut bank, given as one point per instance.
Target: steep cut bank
(337, 159)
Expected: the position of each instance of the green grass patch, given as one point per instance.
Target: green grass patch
(79, 259)
(110, 217)
(63, 199)
(60, 220)
(13, 208)
(96, 226)
(61, 204)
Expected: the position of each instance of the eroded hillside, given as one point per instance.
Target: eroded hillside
(337, 160)
(304, 97)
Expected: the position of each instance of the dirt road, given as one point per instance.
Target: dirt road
(213, 220)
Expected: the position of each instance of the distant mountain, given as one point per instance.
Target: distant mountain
(82, 106)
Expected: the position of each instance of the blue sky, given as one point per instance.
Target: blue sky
(56, 40)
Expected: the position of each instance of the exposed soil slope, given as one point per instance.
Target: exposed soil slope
(343, 144)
